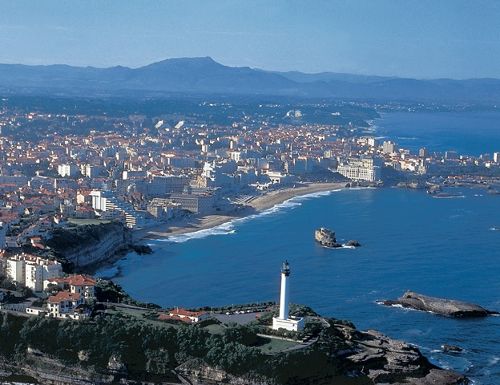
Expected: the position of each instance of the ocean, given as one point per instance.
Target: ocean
(410, 241)
(468, 133)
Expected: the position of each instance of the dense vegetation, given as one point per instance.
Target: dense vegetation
(145, 350)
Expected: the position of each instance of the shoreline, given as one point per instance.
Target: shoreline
(257, 205)
(194, 224)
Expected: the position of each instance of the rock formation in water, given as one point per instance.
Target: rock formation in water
(441, 306)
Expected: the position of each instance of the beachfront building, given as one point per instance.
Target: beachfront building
(195, 203)
(284, 321)
(106, 201)
(360, 170)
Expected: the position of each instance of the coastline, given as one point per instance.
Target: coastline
(193, 224)
(257, 205)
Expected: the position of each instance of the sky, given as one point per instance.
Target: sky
(409, 38)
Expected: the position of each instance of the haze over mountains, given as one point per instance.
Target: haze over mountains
(202, 76)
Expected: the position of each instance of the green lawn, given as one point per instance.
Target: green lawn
(82, 222)
(274, 345)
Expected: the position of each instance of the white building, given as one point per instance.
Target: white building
(79, 283)
(190, 316)
(31, 271)
(66, 305)
(496, 157)
(360, 169)
(106, 201)
(389, 147)
(15, 270)
(67, 170)
(283, 321)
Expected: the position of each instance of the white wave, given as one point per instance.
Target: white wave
(224, 229)
(448, 196)
(492, 361)
(407, 138)
(228, 227)
(494, 228)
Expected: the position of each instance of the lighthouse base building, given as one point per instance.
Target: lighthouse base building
(294, 325)
(284, 321)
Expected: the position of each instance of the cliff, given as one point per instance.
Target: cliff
(90, 244)
(116, 348)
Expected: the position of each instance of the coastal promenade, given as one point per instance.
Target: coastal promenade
(259, 204)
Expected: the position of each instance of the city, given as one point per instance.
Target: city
(249, 193)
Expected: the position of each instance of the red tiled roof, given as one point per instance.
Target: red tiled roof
(185, 313)
(81, 280)
(163, 317)
(64, 296)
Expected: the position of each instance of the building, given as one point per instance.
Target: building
(106, 201)
(166, 184)
(389, 147)
(66, 305)
(79, 283)
(31, 271)
(195, 203)
(93, 171)
(65, 170)
(423, 153)
(187, 315)
(360, 170)
(496, 157)
(283, 321)
(15, 270)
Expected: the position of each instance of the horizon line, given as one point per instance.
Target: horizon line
(279, 72)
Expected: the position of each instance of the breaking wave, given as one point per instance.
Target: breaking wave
(229, 227)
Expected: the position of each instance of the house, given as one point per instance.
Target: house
(79, 283)
(82, 284)
(66, 305)
(186, 315)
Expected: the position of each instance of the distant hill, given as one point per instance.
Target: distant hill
(200, 76)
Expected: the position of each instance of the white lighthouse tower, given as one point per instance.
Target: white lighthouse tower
(283, 321)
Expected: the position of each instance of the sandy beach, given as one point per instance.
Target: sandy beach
(258, 204)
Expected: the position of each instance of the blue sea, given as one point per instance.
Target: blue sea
(468, 133)
(410, 240)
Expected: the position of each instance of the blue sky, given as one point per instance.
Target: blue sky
(414, 38)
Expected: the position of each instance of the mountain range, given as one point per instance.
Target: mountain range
(204, 76)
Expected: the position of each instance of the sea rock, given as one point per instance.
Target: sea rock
(353, 243)
(385, 360)
(441, 306)
(451, 348)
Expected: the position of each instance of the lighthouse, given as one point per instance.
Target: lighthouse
(285, 273)
(283, 321)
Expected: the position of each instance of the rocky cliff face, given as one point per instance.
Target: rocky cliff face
(90, 245)
(340, 354)
(355, 357)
